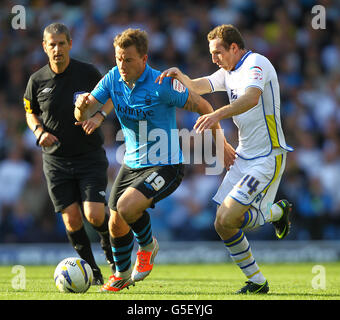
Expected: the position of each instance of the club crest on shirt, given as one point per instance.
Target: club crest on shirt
(147, 99)
(233, 94)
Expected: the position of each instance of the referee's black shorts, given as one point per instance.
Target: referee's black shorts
(156, 182)
(76, 179)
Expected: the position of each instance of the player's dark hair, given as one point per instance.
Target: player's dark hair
(133, 37)
(229, 34)
(57, 28)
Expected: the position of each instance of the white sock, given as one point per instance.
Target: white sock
(258, 278)
(252, 219)
(275, 213)
(241, 254)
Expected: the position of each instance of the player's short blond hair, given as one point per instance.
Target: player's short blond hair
(229, 34)
(133, 37)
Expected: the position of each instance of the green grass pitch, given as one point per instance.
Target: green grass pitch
(291, 281)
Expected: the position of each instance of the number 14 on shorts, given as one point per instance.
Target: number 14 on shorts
(252, 183)
(155, 180)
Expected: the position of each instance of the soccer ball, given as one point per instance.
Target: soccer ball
(73, 275)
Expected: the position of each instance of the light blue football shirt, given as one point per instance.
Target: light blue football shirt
(147, 114)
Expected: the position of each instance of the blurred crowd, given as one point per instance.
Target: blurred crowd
(307, 62)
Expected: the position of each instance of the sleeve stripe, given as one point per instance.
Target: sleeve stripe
(211, 85)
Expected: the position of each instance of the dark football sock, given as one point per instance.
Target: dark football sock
(103, 232)
(81, 243)
(122, 249)
(142, 229)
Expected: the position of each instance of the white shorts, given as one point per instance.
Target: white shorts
(254, 182)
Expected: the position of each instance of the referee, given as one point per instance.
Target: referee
(74, 163)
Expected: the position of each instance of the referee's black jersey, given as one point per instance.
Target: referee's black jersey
(52, 96)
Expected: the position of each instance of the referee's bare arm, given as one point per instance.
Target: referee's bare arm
(44, 138)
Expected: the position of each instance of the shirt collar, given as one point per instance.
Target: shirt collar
(53, 74)
(239, 64)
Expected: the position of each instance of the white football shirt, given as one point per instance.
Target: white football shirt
(259, 129)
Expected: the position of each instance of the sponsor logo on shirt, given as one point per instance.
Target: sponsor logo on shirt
(134, 113)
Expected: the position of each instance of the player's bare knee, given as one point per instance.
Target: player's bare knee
(117, 226)
(226, 220)
(95, 218)
(73, 222)
(94, 213)
(125, 210)
(221, 221)
(116, 229)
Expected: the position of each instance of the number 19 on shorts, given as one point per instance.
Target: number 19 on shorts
(155, 180)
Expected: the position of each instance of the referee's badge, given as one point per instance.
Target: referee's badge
(27, 106)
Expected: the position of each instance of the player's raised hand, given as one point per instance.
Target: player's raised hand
(171, 72)
(82, 101)
(206, 121)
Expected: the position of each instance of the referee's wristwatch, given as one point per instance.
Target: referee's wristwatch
(103, 113)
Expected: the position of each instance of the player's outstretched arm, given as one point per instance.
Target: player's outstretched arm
(85, 106)
(199, 85)
(242, 104)
(86, 112)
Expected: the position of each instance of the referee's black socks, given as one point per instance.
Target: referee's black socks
(81, 243)
(105, 243)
